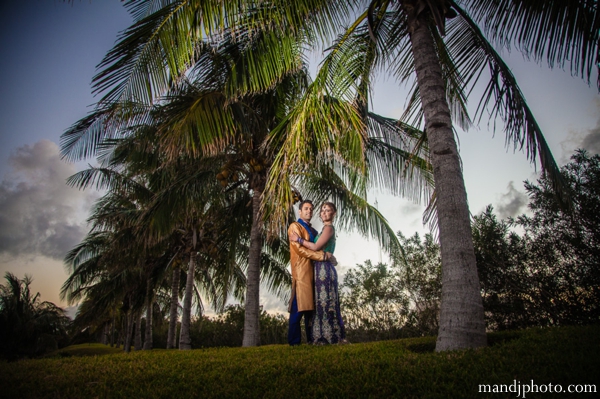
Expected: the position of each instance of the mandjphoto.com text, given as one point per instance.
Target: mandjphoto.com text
(521, 390)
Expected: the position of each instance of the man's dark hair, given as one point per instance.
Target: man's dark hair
(305, 202)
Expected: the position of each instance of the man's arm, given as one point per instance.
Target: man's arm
(299, 249)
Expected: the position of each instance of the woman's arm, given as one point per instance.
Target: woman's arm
(294, 231)
(315, 246)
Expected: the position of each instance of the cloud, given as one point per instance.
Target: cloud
(591, 141)
(272, 303)
(588, 140)
(512, 202)
(39, 213)
(71, 311)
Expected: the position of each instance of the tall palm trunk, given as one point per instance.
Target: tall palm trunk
(149, 304)
(128, 330)
(112, 330)
(185, 341)
(174, 307)
(138, 331)
(121, 335)
(252, 309)
(461, 315)
(105, 332)
(122, 332)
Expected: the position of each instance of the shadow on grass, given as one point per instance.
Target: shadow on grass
(427, 345)
(84, 350)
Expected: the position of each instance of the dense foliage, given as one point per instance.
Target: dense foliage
(28, 326)
(373, 307)
(227, 329)
(549, 274)
(401, 300)
(223, 329)
(546, 275)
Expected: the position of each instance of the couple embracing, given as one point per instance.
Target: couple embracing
(314, 279)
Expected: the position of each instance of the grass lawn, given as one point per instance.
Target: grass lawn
(405, 368)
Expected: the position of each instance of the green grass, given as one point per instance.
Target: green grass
(402, 368)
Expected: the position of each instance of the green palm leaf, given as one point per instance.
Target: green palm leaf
(561, 31)
(472, 54)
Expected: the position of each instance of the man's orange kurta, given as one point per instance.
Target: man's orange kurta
(302, 269)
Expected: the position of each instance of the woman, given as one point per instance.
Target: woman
(327, 324)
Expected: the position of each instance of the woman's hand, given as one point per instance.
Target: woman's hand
(332, 260)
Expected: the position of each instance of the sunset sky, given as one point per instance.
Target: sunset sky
(49, 55)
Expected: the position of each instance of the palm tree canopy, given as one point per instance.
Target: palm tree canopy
(167, 37)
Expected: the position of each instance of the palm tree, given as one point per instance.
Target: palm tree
(113, 266)
(179, 215)
(411, 39)
(248, 156)
(28, 326)
(174, 306)
(208, 115)
(108, 274)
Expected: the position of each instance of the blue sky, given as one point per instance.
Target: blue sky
(49, 55)
(50, 50)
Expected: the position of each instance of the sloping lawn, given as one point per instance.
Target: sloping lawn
(405, 368)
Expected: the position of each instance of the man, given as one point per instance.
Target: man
(302, 302)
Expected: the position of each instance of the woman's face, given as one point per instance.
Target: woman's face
(327, 213)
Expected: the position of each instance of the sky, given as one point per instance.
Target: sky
(50, 51)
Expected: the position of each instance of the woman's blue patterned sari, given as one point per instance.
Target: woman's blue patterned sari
(327, 324)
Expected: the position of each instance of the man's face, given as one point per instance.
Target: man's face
(306, 212)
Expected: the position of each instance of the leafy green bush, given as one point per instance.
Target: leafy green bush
(548, 275)
(226, 329)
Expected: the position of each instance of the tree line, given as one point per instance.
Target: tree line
(538, 269)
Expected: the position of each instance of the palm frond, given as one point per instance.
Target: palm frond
(472, 54)
(83, 139)
(105, 178)
(274, 260)
(561, 31)
(153, 52)
(86, 273)
(398, 158)
(354, 212)
(318, 126)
